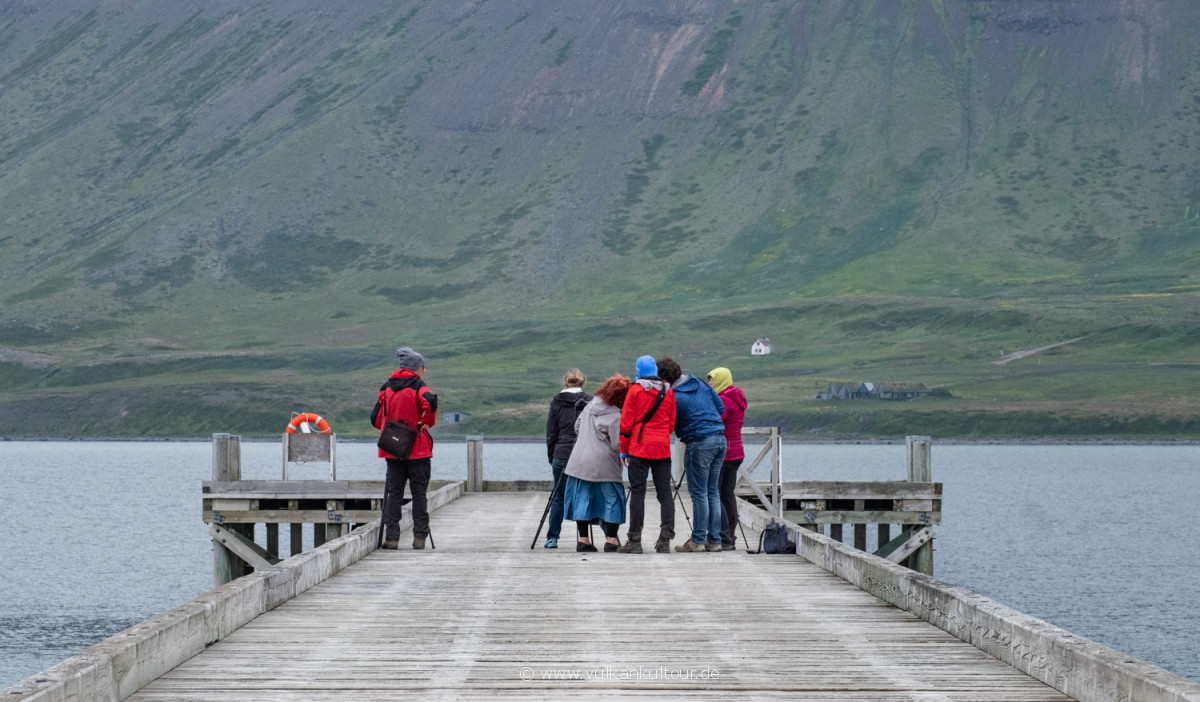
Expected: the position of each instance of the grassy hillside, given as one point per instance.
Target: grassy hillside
(213, 216)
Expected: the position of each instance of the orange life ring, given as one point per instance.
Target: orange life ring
(308, 423)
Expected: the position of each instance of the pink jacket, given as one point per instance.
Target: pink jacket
(733, 416)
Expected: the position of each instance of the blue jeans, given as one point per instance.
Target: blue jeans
(554, 528)
(702, 465)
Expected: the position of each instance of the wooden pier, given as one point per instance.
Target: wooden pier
(332, 508)
(485, 616)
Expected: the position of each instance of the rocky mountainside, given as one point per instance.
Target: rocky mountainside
(237, 198)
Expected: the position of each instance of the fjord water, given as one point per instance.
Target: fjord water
(1098, 539)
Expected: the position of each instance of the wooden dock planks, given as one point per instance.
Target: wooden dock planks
(483, 616)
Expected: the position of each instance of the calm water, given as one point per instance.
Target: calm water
(1100, 540)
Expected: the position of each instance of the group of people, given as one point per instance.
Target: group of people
(591, 441)
(627, 426)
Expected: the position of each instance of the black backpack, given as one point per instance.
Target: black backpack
(774, 539)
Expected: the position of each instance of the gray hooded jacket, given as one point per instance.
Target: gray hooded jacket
(596, 457)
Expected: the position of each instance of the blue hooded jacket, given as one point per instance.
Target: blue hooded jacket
(697, 410)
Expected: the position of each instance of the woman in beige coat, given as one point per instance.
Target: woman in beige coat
(594, 491)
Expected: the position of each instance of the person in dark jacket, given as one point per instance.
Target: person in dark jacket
(405, 397)
(647, 419)
(698, 425)
(560, 439)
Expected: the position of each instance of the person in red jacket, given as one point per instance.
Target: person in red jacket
(647, 420)
(406, 397)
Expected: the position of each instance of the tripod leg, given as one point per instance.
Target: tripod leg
(682, 507)
(546, 511)
(383, 511)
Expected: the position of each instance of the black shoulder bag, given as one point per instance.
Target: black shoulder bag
(397, 437)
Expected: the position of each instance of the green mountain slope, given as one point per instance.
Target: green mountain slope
(212, 215)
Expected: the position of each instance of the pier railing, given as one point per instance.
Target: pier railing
(902, 512)
(1074, 665)
(327, 509)
(909, 508)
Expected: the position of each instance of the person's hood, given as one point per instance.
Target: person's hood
(568, 396)
(721, 378)
(652, 383)
(600, 407)
(688, 384)
(404, 378)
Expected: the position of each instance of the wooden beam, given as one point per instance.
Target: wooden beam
(283, 516)
(887, 547)
(860, 490)
(766, 502)
(249, 552)
(860, 537)
(296, 534)
(812, 516)
(746, 470)
(906, 544)
(922, 560)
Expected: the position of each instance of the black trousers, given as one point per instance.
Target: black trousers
(729, 518)
(639, 468)
(399, 472)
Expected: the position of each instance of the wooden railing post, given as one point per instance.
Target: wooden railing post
(920, 471)
(918, 459)
(474, 464)
(227, 467)
(777, 471)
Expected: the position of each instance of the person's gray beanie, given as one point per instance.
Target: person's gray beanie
(409, 359)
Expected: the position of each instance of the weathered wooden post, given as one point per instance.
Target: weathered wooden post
(227, 467)
(296, 529)
(474, 464)
(777, 471)
(920, 471)
(918, 459)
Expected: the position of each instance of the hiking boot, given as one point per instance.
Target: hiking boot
(391, 545)
(728, 547)
(586, 548)
(663, 545)
(690, 546)
(712, 547)
(418, 543)
(551, 543)
(633, 544)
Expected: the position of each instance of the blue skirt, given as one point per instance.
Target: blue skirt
(587, 501)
